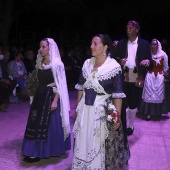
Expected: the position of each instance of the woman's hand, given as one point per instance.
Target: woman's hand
(145, 63)
(53, 106)
(55, 101)
(116, 125)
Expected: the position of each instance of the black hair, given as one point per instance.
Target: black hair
(16, 53)
(46, 40)
(106, 40)
(154, 39)
(134, 23)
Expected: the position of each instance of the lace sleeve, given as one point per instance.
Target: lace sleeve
(117, 84)
(53, 85)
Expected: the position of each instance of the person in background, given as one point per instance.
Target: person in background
(29, 60)
(47, 131)
(166, 48)
(166, 105)
(6, 84)
(134, 55)
(71, 67)
(114, 48)
(154, 88)
(99, 144)
(17, 70)
(6, 53)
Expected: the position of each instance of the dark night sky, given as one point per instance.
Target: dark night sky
(81, 21)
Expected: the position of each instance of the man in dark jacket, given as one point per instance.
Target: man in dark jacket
(134, 55)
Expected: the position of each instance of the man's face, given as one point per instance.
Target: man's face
(30, 54)
(131, 30)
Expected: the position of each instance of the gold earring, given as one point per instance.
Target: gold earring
(104, 54)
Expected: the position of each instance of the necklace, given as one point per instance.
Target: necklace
(94, 71)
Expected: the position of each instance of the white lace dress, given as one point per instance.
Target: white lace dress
(90, 128)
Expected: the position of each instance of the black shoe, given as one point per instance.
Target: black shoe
(148, 117)
(129, 131)
(31, 160)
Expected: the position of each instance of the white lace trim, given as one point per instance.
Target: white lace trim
(90, 85)
(44, 66)
(53, 85)
(107, 75)
(79, 87)
(118, 95)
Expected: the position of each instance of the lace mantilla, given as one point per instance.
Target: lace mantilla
(107, 75)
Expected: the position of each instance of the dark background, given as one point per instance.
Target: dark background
(79, 20)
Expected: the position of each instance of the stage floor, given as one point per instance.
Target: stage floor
(149, 145)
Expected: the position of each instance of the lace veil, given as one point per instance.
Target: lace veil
(58, 71)
(159, 55)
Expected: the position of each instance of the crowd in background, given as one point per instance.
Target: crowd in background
(17, 61)
(73, 56)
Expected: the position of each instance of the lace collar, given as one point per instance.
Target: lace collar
(156, 58)
(45, 66)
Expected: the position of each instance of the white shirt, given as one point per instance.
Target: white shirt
(131, 63)
(132, 49)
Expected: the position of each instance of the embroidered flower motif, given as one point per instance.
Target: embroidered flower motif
(32, 83)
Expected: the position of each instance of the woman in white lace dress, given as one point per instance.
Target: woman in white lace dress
(95, 137)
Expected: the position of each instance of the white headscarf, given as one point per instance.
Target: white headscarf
(159, 55)
(58, 71)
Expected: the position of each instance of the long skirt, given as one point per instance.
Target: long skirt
(89, 132)
(54, 145)
(117, 151)
(153, 109)
(91, 144)
(153, 95)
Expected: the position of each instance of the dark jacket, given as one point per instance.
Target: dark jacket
(3, 66)
(143, 52)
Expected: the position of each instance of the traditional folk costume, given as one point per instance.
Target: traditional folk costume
(48, 132)
(94, 136)
(154, 87)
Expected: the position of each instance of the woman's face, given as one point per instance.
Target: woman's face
(97, 47)
(44, 48)
(154, 45)
(18, 57)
